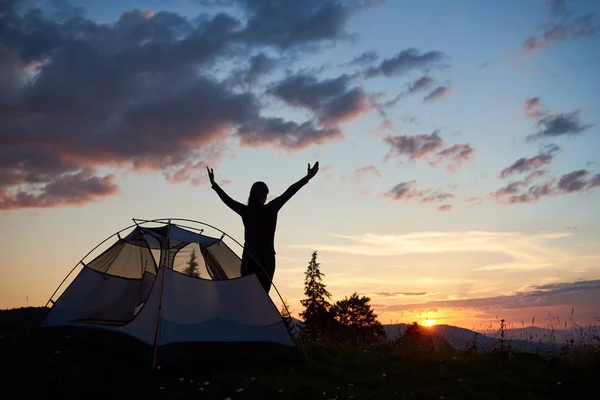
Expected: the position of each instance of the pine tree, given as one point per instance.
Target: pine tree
(316, 306)
(192, 266)
(286, 314)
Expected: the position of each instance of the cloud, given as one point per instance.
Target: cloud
(553, 124)
(369, 170)
(557, 7)
(456, 156)
(519, 192)
(405, 191)
(421, 83)
(287, 135)
(287, 24)
(532, 107)
(534, 164)
(412, 88)
(150, 91)
(413, 146)
(67, 189)
(444, 208)
(553, 294)
(473, 199)
(332, 100)
(429, 147)
(366, 58)
(257, 67)
(584, 26)
(398, 294)
(522, 251)
(565, 124)
(438, 93)
(405, 61)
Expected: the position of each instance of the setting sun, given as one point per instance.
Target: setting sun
(429, 322)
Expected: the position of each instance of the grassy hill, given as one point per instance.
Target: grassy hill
(34, 364)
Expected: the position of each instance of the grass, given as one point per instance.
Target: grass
(69, 369)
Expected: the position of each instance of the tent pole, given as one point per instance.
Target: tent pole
(81, 261)
(162, 283)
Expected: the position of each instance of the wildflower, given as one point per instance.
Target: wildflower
(240, 390)
(383, 375)
(180, 379)
(162, 388)
(280, 390)
(206, 383)
(201, 389)
(559, 383)
(253, 379)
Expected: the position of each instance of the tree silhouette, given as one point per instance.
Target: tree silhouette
(316, 312)
(192, 266)
(286, 314)
(356, 321)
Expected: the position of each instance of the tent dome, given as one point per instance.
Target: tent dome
(165, 283)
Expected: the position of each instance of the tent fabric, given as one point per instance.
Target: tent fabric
(128, 289)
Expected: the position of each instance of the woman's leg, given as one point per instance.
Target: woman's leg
(266, 276)
(263, 267)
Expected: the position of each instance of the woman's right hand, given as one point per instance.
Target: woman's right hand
(311, 172)
(211, 175)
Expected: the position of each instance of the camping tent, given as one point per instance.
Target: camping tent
(169, 285)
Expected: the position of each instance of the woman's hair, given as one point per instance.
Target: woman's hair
(258, 194)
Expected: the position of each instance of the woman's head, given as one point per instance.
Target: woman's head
(258, 194)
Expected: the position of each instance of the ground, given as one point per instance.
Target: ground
(66, 368)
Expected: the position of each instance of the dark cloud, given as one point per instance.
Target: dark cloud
(413, 146)
(557, 7)
(363, 60)
(68, 189)
(553, 124)
(421, 83)
(413, 87)
(331, 100)
(438, 93)
(429, 147)
(293, 23)
(146, 92)
(260, 65)
(573, 181)
(455, 156)
(405, 61)
(287, 135)
(525, 164)
(584, 26)
(564, 124)
(406, 191)
(521, 192)
(568, 294)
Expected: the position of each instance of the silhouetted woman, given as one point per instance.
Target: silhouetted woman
(260, 222)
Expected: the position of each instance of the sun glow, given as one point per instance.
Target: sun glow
(429, 322)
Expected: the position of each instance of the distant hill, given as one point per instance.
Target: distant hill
(527, 339)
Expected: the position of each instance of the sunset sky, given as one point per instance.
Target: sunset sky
(459, 143)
